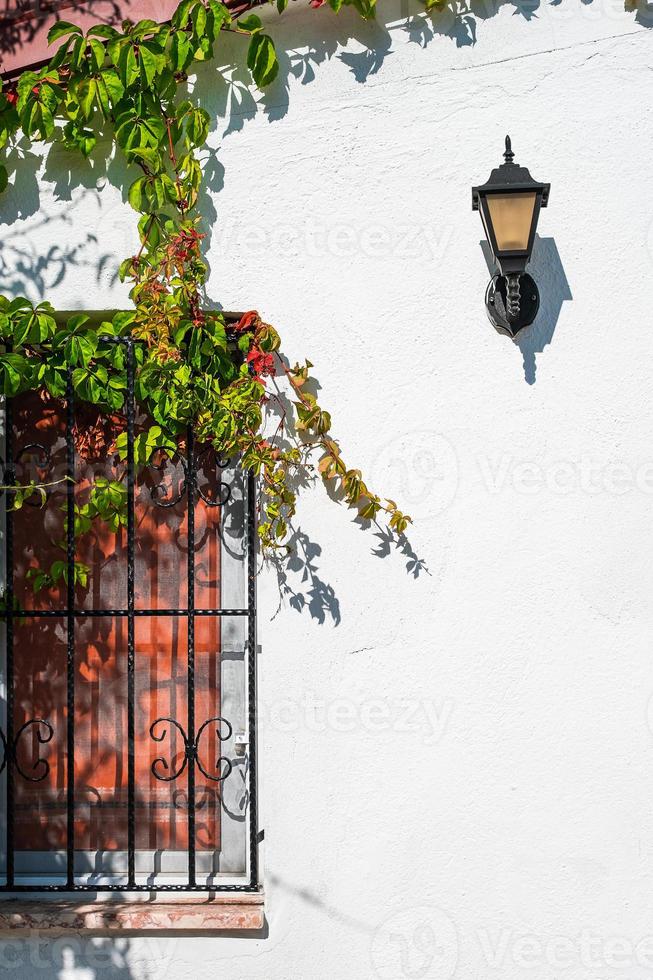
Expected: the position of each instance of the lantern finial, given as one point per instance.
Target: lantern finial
(508, 156)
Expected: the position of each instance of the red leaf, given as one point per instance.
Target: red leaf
(248, 321)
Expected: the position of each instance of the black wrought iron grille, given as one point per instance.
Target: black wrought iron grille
(190, 729)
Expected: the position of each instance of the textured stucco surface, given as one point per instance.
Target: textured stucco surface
(456, 767)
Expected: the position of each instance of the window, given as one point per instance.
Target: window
(128, 703)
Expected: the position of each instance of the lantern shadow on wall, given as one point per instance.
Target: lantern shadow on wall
(549, 273)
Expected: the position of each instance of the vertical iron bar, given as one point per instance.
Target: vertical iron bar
(131, 827)
(70, 633)
(191, 480)
(9, 479)
(251, 668)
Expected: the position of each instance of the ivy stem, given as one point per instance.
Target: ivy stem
(150, 225)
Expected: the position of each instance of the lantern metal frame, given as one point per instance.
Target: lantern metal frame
(512, 297)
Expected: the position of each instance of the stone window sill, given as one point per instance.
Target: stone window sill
(221, 911)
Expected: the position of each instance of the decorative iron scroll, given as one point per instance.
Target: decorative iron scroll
(10, 753)
(191, 750)
(222, 490)
(9, 472)
(162, 495)
(41, 469)
(159, 493)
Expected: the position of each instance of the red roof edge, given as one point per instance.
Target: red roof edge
(24, 24)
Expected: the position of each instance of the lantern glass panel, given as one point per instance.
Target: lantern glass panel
(511, 216)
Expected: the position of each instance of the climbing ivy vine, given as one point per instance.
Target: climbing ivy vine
(131, 85)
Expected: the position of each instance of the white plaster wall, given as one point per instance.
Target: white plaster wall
(456, 765)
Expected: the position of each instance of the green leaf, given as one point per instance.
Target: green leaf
(136, 194)
(4, 178)
(37, 121)
(80, 349)
(78, 138)
(180, 50)
(165, 189)
(58, 570)
(22, 329)
(45, 326)
(122, 322)
(125, 268)
(85, 92)
(180, 17)
(251, 24)
(114, 86)
(98, 52)
(103, 30)
(197, 128)
(76, 321)
(133, 130)
(40, 579)
(19, 303)
(198, 19)
(147, 156)
(61, 54)
(26, 83)
(152, 61)
(262, 59)
(77, 53)
(121, 445)
(61, 29)
(144, 27)
(128, 66)
(13, 367)
(220, 13)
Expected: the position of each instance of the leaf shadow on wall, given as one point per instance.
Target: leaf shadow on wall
(300, 53)
(26, 268)
(549, 274)
(298, 578)
(231, 101)
(306, 39)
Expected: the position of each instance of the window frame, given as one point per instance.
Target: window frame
(79, 884)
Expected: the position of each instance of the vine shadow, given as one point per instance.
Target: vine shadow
(25, 268)
(298, 578)
(228, 94)
(298, 575)
(232, 102)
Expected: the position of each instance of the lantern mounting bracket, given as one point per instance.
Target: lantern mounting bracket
(524, 307)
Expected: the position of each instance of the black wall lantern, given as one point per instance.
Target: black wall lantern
(510, 205)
